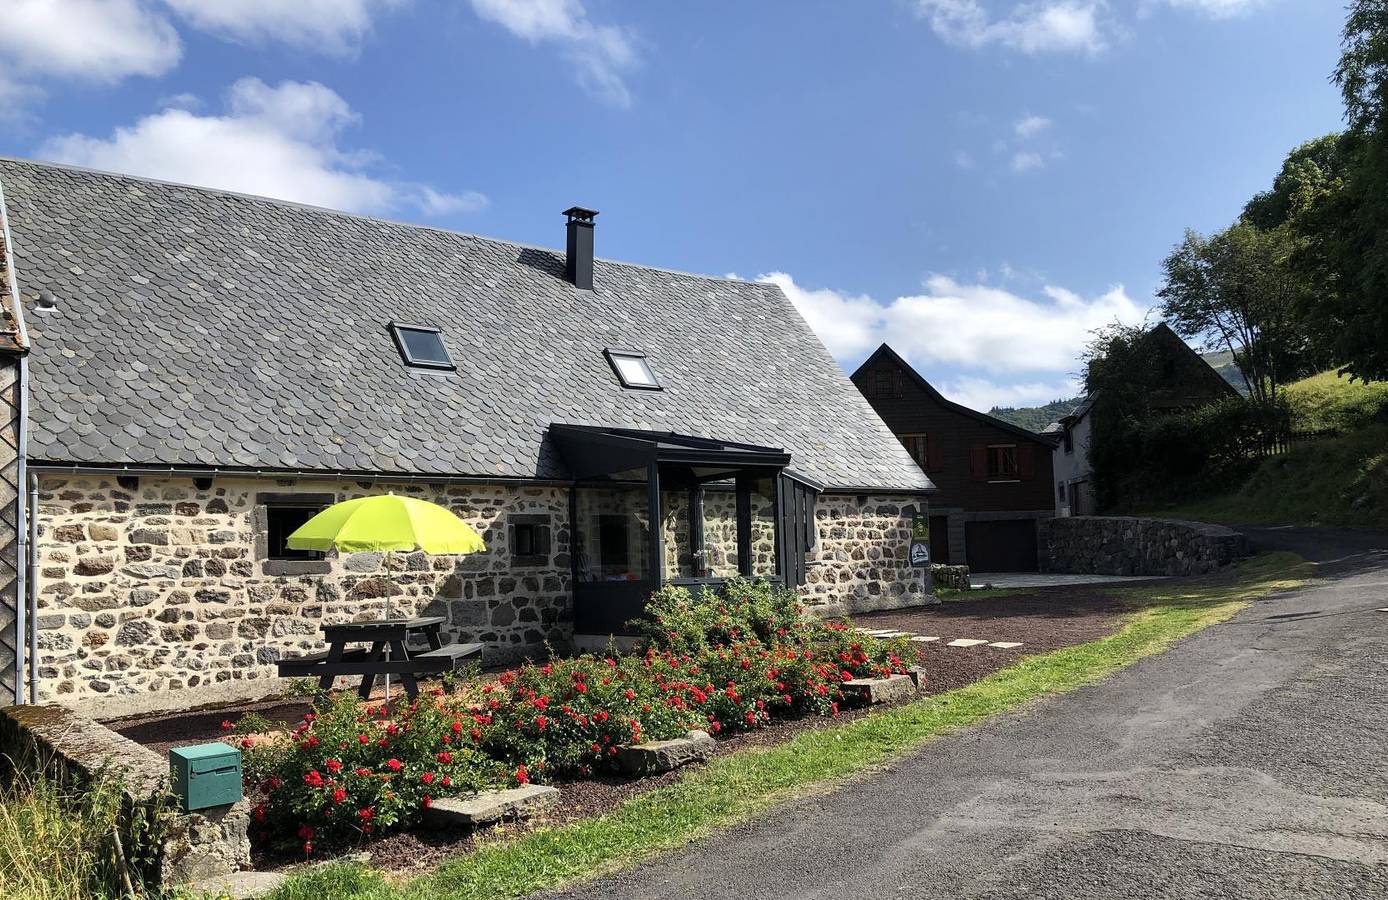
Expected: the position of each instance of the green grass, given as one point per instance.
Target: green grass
(1340, 481)
(738, 786)
(1330, 401)
(56, 844)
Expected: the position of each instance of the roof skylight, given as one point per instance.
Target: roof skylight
(421, 346)
(632, 369)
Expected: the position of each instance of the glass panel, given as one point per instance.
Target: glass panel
(720, 531)
(612, 534)
(422, 346)
(634, 371)
(764, 529)
(674, 535)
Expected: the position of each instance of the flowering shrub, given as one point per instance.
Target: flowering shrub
(351, 770)
(719, 661)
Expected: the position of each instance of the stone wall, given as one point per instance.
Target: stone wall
(157, 592)
(1114, 545)
(860, 561)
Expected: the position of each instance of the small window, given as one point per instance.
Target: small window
(1002, 461)
(527, 539)
(632, 369)
(281, 522)
(918, 445)
(887, 383)
(1069, 439)
(421, 346)
(1060, 489)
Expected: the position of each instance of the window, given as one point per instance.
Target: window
(1002, 462)
(1060, 490)
(421, 346)
(886, 382)
(1069, 439)
(632, 369)
(281, 522)
(918, 445)
(530, 540)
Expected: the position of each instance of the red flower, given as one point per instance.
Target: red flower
(457, 727)
(339, 795)
(631, 695)
(333, 766)
(428, 801)
(541, 722)
(362, 770)
(226, 725)
(308, 848)
(363, 739)
(522, 776)
(581, 687)
(313, 778)
(366, 814)
(393, 765)
(445, 758)
(427, 778)
(305, 833)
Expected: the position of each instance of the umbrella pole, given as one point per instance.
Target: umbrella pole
(390, 589)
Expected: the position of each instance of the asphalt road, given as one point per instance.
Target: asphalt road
(1251, 760)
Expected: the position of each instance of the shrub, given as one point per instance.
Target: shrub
(352, 770)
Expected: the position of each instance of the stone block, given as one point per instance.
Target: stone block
(918, 677)
(880, 690)
(662, 756)
(238, 885)
(489, 807)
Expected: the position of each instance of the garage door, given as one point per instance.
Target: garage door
(939, 540)
(1008, 545)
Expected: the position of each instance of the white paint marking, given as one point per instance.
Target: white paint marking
(965, 642)
(1005, 645)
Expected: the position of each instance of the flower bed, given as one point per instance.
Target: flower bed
(718, 662)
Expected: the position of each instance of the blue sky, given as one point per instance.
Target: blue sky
(978, 182)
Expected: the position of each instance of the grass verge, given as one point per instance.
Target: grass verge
(740, 785)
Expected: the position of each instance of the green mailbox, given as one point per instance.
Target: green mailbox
(206, 775)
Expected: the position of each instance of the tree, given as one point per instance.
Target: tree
(1351, 228)
(1237, 291)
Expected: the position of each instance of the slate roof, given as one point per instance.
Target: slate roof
(203, 328)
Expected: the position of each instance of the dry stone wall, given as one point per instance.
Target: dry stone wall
(157, 585)
(1121, 545)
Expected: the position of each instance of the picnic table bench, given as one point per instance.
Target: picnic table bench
(389, 653)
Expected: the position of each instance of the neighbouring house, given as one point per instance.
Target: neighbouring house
(206, 370)
(992, 478)
(1188, 381)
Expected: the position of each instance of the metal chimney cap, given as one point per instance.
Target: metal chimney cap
(46, 302)
(579, 214)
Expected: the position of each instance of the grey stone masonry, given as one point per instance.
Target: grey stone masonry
(1120, 545)
(662, 756)
(489, 807)
(159, 593)
(880, 690)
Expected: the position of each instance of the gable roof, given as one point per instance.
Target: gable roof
(203, 328)
(886, 352)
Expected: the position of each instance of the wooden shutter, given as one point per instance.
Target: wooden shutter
(932, 453)
(1026, 461)
(978, 462)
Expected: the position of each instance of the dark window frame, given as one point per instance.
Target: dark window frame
(1069, 438)
(614, 353)
(997, 458)
(272, 561)
(917, 441)
(446, 365)
(530, 539)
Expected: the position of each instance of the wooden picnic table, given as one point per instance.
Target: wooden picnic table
(389, 653)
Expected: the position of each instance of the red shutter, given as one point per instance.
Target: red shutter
(1026, 462)
(978, 462)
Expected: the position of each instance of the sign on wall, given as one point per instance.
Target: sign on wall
(920, 540)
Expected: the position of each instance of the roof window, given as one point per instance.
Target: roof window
(632, 369)
(421, 346)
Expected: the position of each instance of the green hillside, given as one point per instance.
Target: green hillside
(1335, 481)
(1035, 418)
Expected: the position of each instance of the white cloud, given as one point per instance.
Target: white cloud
(272, 141)
(977, 331)
(1025, 161)
(984, 393)
(1219, 9)
(93, 40)
(848, 326)
(963, 160)
(1040, 26)
(1030, 126)
(599, 53)
(332, 26)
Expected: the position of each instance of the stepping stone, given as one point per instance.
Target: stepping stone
(877, 632)
(880, 690)
(662, 756)
(1005, 645)
(924, 638)
(965, 642)
(238, 885)
(492, 806)
(893, 634)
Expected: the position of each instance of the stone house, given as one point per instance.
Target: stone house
(206, 370)
(992, 478)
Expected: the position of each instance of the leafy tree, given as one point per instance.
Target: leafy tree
(1237, 291)
(1352, 225)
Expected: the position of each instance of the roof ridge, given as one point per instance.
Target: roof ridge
(293, 204)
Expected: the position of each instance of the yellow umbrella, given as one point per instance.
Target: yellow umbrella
(386, 523)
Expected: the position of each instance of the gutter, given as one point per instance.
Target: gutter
(26, 524)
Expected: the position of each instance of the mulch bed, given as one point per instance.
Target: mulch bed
(1043, 619)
